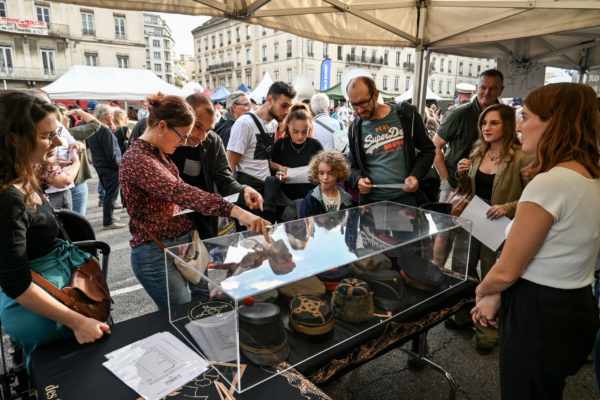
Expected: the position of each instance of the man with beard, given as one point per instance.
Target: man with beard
(253, 135)
(383, 142)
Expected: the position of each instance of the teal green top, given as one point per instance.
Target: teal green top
(383, 143)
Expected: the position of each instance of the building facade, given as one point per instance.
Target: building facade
(159, 47)
(40, 40)
(229, 52)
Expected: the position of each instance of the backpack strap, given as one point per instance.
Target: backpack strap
(323, 125)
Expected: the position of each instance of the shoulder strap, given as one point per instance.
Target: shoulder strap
(152, 236)
(44, 283)
(257, 122)
(323, 125)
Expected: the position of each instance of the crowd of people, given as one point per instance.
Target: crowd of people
(540, 168)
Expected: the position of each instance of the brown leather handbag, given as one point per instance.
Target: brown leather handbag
(459, 199)
(87, 292)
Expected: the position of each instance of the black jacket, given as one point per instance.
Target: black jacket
(214, 176)
(105, 149)
(223, 128)
(418, 163)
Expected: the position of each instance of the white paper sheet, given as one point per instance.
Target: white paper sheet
(297, 175)
(155, 366)
(487, 231)
(232, 198)
(391, 185)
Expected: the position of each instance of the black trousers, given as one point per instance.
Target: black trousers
(110, 182)
(546, 334)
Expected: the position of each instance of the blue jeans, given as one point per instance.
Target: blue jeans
(80, 197)
(148, 263)
(100, 191)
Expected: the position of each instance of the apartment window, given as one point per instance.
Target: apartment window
(147, 54)
(276, 74)
(199, 46)
(2, 8)
(155, 43)
(432, 84)
(120, 27)
(220, 40)
(338, 77)
(470, 69)
(433, 60)
(238, 79)
(289, 48)
(385, 58)
(448, 85)
(450, 66)
(398, 54)
(264, 53)
(407, 84)
(87, 23)
(248, 55)
(460, 68)
(248, 31)
(237, 35)
(396, 83)
(276, 50)
(214, 41)
(311, 76)
(43, 13)
(325, 50)
(221, 59)
(363, 54)
(248, 79)
(149, 66)
(230, 80)
(478, 70)
(440, 86)
(206, 44)
(157, 55)
(123, 61)
(385, 82)
(373, 55)
(264, 31)
(408, 58)
(339, 53)
(48, 62)
(154, 20)
(228, 37)
(352, 52)
(157, 67)
(310, 49)
(289, 75)
(442, 65)
(6, 59)
(91, 59)
(238, 57)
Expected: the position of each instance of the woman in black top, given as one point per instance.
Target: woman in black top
(295, 149)
(28, 238)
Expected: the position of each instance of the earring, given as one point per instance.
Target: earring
(159, 133)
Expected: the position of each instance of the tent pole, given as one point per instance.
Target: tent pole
(420, 58)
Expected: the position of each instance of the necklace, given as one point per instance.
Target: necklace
(298, 150)
(494, 157)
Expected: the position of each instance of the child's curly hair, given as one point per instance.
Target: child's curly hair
(335, 160)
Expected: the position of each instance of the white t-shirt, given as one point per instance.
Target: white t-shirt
(332, 203)
(62, 152)
(567, 256)
(243, 140)
(321, 133)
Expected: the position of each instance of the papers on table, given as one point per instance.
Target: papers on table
(232, 198)
(490, 232)
(155, 366)
(215, 335)
(297, 175)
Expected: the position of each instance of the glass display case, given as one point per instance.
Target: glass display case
(259, 309)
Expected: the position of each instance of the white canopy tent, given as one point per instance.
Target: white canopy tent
(260, 93)
(102, 83)
(561, 33)
(408, 95)
(191, 88)
(304, 88)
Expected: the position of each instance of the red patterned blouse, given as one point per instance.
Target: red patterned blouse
(154, 192)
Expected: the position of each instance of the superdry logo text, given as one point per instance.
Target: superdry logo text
(389, 135)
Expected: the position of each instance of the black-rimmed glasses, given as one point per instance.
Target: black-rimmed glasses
(182, 139)
(363, 103)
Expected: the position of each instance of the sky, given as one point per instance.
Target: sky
(181, 26)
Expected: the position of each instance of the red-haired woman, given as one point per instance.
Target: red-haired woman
(155, 194)
(542, 282)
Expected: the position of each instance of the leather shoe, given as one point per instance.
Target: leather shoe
(114, 225)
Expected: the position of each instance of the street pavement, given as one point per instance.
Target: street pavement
(387, 377)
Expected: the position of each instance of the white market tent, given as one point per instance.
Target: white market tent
(408, 95)
(260, 93)
(560, 33)
(102, 83)
(191, 88)
(304, 88)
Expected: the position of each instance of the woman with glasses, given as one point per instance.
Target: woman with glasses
(156, 195)
(28, 238)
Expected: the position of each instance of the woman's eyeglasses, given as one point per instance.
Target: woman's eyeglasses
(187, 140)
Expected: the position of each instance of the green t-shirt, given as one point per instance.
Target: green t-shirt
(383, 144)
(459, 129)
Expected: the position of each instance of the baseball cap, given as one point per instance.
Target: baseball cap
(91, 105)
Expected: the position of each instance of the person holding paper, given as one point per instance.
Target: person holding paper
(540, 288)
(156, 194)
(295, 149)
(493, 172)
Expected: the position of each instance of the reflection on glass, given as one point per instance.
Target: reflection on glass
(308, 246)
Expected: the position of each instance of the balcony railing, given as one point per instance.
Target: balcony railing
(363, 59)
(408, 65)
(45, 74)
(219, 66)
